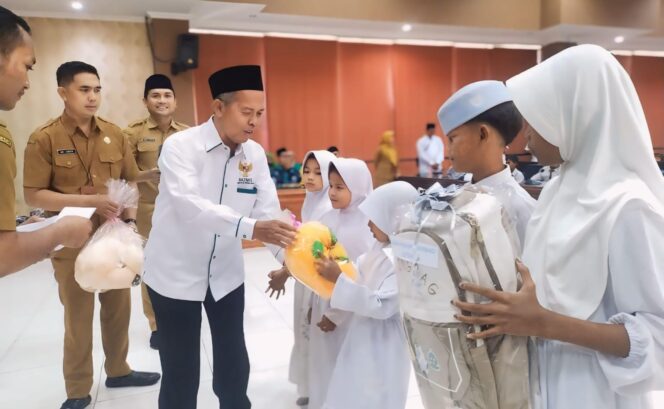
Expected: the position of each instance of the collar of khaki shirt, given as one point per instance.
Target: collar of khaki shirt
(71, 126)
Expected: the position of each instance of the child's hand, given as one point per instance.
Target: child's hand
(326, 325)
(277, 281)
(328, 268)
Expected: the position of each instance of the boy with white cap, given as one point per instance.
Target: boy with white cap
(480, 120)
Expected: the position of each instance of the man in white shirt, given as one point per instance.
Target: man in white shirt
(430, 153)
(215, 190)
(513, 162)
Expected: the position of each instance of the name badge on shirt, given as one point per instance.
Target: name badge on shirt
(66, 151)
(245, 183)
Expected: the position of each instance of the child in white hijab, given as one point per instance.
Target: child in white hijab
(316, 204)
(350, 184)
(373, 367)
(594, 240)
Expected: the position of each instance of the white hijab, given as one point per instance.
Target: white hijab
(316, 204)
(384, 205)
(582, 101)
(351, 225)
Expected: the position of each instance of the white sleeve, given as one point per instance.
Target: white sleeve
(636, 265)
(180, 179)
(267, 206)
(519, 177)
(379, 304)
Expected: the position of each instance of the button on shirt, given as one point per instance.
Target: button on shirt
(209, 199)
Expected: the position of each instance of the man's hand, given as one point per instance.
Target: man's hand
(274, 232)
(73, 231)
(326, 325)
(277, 281)
(105, 206)
(328, 268)
(152, 175)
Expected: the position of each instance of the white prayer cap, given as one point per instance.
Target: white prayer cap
(383, 204)
(470, 101)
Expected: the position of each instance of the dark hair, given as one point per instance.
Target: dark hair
(512, 158)
(505, 118)
(67, 71)
(333, 149)
(333, 169)
(11, 26)
(431, 125)
(281, 150)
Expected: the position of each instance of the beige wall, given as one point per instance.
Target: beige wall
(119, 50)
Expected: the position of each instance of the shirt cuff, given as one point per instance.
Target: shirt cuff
(342, 294)
(245, 228)
(638, 341)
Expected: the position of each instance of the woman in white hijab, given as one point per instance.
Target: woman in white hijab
(594, 241)
(350, 184)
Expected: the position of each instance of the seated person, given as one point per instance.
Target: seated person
(334, 150)
(544, 175)
(513, 162)
(286, 172)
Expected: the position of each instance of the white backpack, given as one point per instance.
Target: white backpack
(444, 239)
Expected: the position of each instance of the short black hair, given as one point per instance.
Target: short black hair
(505, 118)
(280, 151)
(431, 125)
(333, 149)
(512, 158)
(11, 27)
(67, 71)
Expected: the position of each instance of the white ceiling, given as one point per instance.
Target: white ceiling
(214, 15)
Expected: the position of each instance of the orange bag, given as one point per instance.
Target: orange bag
(313, 241)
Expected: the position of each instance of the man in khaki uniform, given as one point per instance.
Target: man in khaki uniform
(67, 163)
(145, 138)
(19, 250)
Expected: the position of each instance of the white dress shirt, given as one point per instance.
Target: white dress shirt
(209, 199)
(430, 152)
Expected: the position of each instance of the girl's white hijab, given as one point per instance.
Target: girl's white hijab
(582, 101)
(316, 204)
(350, 224)
(384, 205)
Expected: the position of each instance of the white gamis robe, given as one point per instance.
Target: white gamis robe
(373, 366)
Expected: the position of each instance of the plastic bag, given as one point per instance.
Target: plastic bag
(113, 258)
(446, 237)
(315, 240)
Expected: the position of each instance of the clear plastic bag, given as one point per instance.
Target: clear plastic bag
(113, 258)
(446, 237)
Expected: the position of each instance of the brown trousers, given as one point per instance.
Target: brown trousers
(144, 225)
(79, 309)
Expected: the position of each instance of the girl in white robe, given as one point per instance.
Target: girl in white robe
(328, 326)
(594, 241)
(373, 367)
(316, 204)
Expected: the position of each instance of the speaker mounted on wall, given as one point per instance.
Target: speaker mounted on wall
(186, 55)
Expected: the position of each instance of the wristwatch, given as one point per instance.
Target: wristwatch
(128, 221)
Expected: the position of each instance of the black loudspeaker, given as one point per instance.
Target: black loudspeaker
(186, 55)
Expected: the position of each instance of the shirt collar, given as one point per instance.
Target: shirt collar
(152, 124)
(213, 141)
(71, 127)
(499, 178)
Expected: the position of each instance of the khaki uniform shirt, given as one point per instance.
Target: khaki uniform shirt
(61, 158)
(7, 175)
(145, 139)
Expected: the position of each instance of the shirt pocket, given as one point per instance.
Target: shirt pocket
(244, 199)
(67, 170)
(110, 165)
(148, 154)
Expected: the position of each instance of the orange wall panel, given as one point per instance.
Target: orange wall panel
(648, 76)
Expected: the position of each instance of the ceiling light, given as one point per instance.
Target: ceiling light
(619, 40)
(77, 5)
(406, 28)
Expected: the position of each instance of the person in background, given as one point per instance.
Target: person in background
(430, 153)
(513, 163)
(334, 150)
(146, 137)
(286, 172)
(545, 174)
(386, 161)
